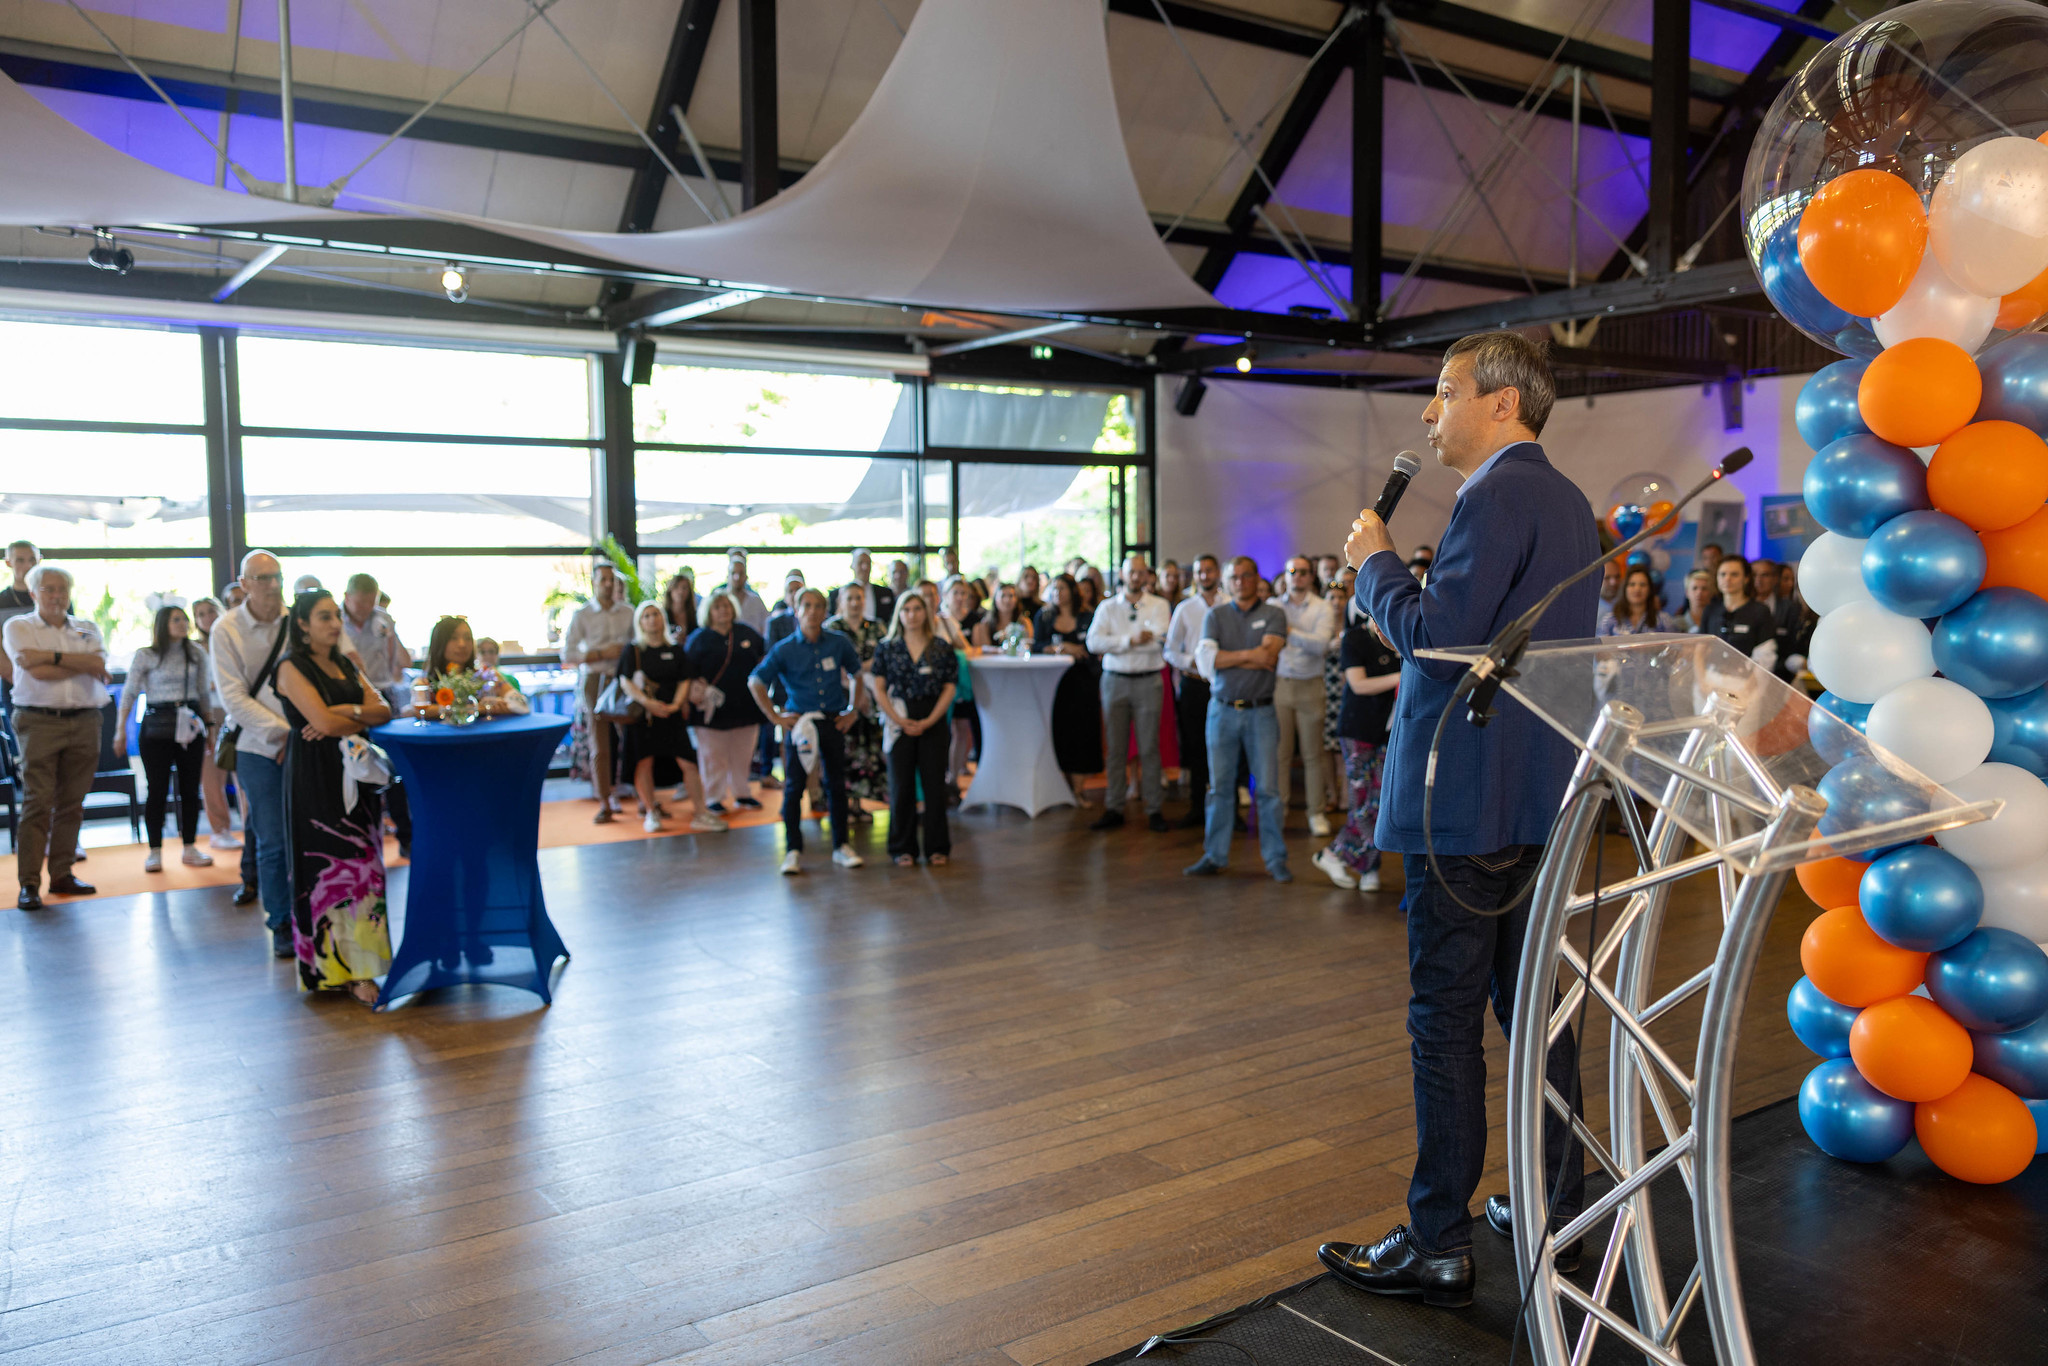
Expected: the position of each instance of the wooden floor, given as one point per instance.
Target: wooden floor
(1028, 1108)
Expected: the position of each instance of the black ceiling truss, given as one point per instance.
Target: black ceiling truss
(678, 83)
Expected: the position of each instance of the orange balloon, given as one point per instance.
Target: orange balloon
(1910, 1049)
(2017, 557)
(1978, 1132)
(1850, 964)
(1832, 882)
(1860, 241)
(1655, 514)
(2025, 305)
(1919, 392)
(1990, 475)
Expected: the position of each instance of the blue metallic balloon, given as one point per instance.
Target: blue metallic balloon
(1858, 341)
(1857, 484)
(1826, 410)
(1862, 792)
(1829, 724)
(2019, 733)
(1996, 644)
(2017, 1061)
(2039, 1110)
(1628, 520)
(1922, 564)
(1921, 898)
(1790, 292)
(1995, 981)
(1847, 1117)
(2016, 381)
(1822, 1024)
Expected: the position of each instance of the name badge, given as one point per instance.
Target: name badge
(829, 665)
(924, 668)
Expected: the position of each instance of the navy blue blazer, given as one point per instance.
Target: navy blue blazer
(1514, 535)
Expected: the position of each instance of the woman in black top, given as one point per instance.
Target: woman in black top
(1738, 618)
(1371, 674)
(723, 652)
(655, 672)
(1076, 708)
(912, 672)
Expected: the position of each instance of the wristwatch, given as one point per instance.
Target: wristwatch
(356, 708)
(56, 656)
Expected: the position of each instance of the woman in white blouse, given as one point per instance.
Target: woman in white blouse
(172, 674)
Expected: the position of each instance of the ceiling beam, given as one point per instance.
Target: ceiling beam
(666, 307)
(678, 83)
(1670, 57)
(760, 132)
(1796, 22)
(1259, 244)
(1717, 283)
(1368, 58)
(1480, 26)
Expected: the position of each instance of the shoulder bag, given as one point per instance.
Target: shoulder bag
(615, 705)
(231, 734)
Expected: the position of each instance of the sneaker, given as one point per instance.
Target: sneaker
(1202, 868)
(603, 817)
(227, 839)
(716, 808)
(1327, 860)
(1108, 820)
(1369, 882)
(155, 862)
(707, 823)
(651, 823)
(195, 857)
(1319, 825)
(792, 863)
(246, 894)
(1281, 874)
(746, 803)
(846, 858)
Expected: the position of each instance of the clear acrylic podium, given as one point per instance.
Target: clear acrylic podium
(1731, 763)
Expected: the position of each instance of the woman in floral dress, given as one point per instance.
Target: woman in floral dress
(867, 770)
(339, 925)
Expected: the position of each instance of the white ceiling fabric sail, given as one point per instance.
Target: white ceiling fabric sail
(55, 174)
(988, 171)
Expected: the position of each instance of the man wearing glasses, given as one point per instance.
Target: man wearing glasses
(1299, 698)
(246, 646)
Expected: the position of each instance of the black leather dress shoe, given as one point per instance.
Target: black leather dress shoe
(30, 900)
(1108, 820)
(1392, 1266)
(1157, 823)
(1500, 1218)
(71, 886)
(246, 894)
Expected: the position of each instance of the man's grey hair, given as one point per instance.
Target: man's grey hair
(1509, 360)
(46, 570)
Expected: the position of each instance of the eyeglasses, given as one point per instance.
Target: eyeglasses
(268, 578)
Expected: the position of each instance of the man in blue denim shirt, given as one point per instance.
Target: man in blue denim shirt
(818, 672)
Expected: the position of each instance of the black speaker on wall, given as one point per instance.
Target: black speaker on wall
(636, 357)
(1189, 397)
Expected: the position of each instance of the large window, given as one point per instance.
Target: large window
(467, 480)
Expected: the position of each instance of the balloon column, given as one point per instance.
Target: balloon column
(1896, 209)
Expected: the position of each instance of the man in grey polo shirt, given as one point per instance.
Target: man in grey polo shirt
(1249, 636)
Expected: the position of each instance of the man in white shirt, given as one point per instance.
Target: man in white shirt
(1191, 690)
(597, 635)
(1300, 703)
(246, 646)
(1129, 633)
(370, 634)
(753, 611)
(60, 685)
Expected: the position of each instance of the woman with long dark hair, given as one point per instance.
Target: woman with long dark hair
(339, 927)
(1635, 609)
(1076, 704)
(679, 600)
(172, 672)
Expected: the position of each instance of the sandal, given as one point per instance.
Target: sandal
(905, 861)
(365, 991)
(937, 860)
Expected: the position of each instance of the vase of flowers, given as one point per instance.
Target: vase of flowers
(457, 698)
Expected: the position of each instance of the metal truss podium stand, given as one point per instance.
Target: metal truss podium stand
(1727, 758)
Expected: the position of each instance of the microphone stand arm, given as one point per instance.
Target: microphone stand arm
(1484, 676)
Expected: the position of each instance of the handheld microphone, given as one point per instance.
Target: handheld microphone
(1483, 679)
(1406, 466)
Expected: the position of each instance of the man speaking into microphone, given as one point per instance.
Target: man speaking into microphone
(1518, 528)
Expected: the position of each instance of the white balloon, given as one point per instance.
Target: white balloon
(1941, 728)
(1861, 651)
(2016, 899)
(2013, 838)
(1831, 573)
(1988, 223)
(1935, 306)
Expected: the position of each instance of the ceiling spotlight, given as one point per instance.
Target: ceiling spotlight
(453, 283)
(1244, 362)
(105, 255)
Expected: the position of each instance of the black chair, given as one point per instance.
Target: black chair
(115, 773)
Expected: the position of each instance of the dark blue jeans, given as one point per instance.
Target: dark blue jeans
(832, 759)
(1457, 961)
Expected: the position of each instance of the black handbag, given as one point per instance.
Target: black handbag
(160, 719)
